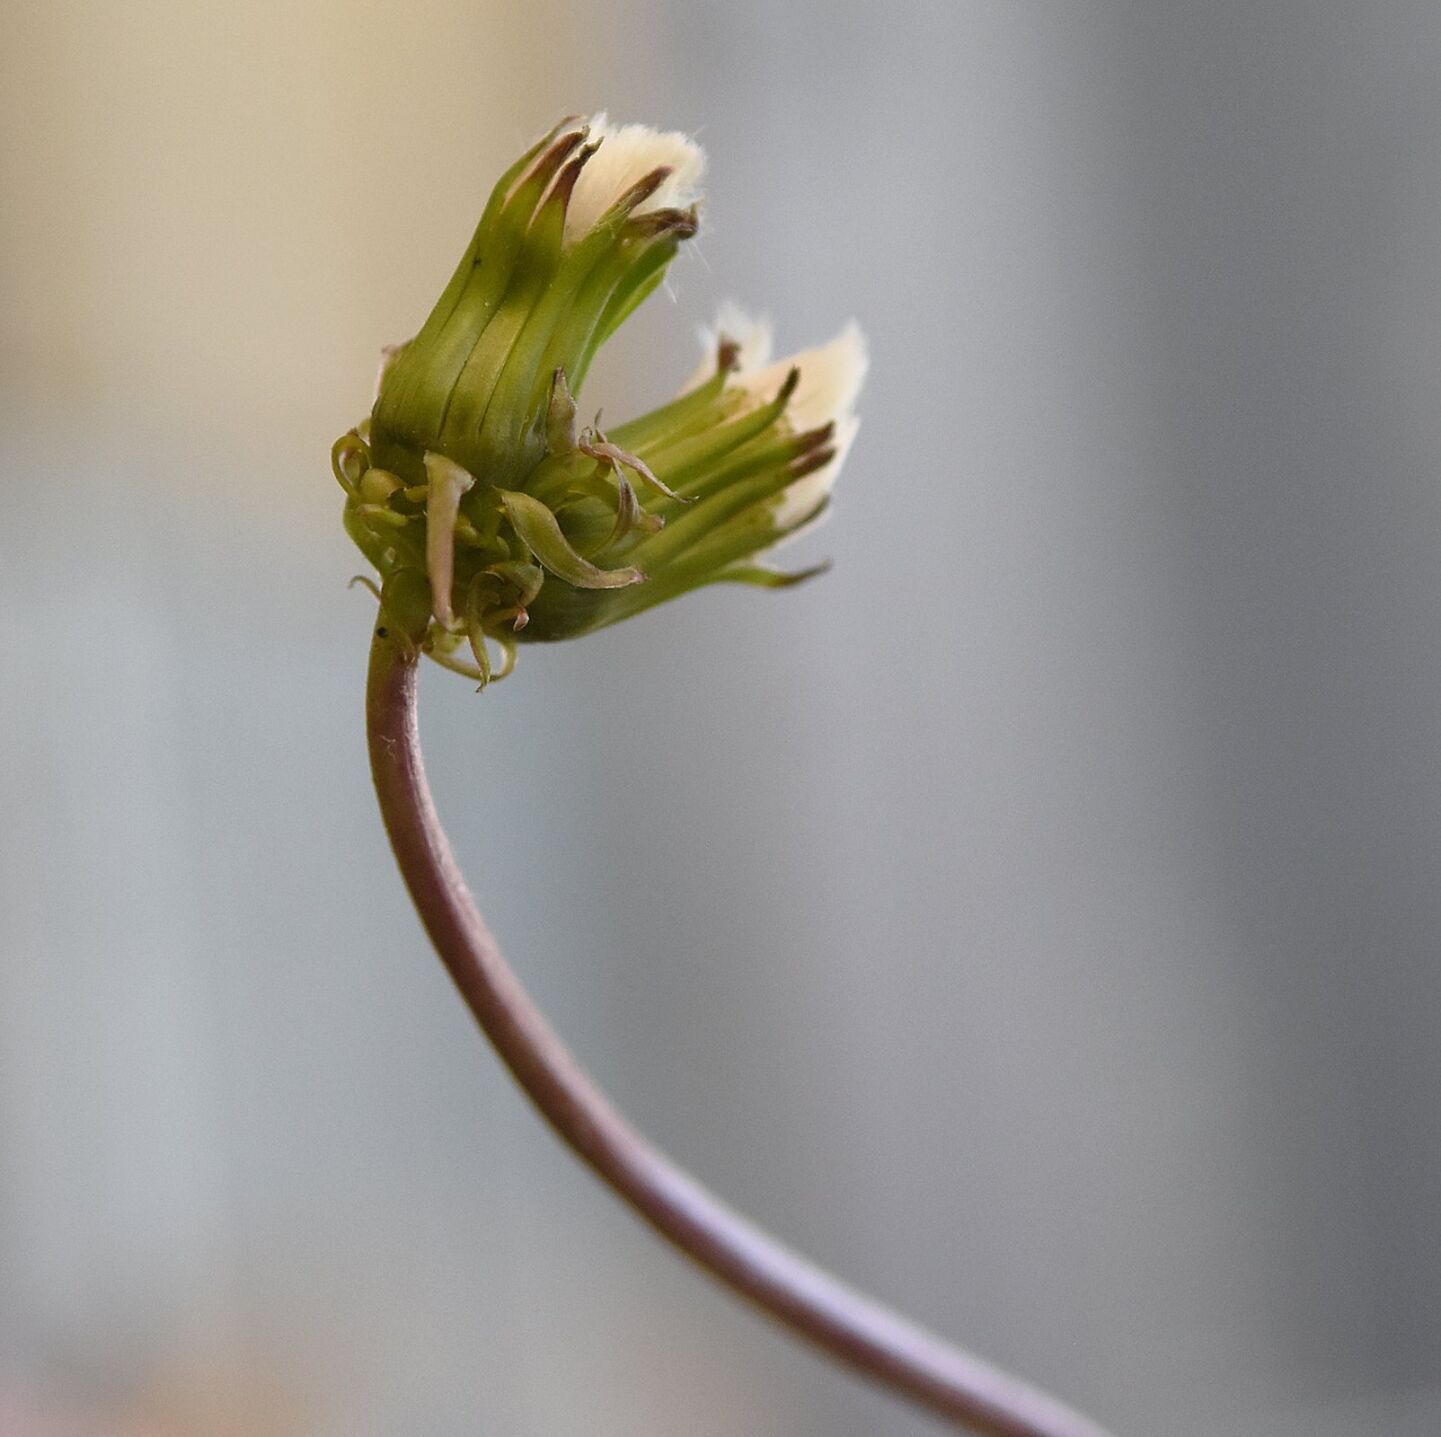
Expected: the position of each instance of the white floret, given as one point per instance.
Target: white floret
(626, 155)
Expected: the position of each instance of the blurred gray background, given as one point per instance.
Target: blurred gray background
(1037, 919)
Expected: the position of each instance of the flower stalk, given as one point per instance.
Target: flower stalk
(863, 1334)
(494, 516)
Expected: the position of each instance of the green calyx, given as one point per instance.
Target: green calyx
(472, 485)
(525, 300)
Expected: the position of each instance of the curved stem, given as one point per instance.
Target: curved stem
(860, 1332)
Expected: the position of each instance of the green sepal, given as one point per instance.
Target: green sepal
(445, 305)
(538, 529)
(476, 638)
(704, 519)
(560, 437)
(629, 515)
(349, 459)
(405, 596)
(699, 408)
(687, 459)
(364, 537)
(418, 390)
(761, 577)
(464, 429)
(540, 347)
(776, 450)
(639, 284)
(525, 578)
(740, 540)
(625, 290)
(601, 449)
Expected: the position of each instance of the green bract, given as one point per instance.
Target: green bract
(491, 516)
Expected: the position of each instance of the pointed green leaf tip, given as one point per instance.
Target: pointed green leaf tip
(759, 576)
(471, 484)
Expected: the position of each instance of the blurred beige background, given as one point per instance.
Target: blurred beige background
(1036, 919)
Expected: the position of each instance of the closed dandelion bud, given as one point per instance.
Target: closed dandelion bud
(475, 491)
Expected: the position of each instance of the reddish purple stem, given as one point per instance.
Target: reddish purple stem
(856, 1330)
